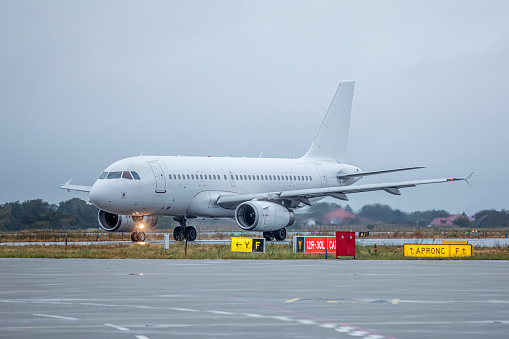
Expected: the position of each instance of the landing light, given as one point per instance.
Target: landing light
(140, 226)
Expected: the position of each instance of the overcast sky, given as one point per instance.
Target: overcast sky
(86, 83)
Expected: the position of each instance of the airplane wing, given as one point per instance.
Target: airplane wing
(338, 192)
(67, 186)
(363, 174)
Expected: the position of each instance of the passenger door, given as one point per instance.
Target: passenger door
(159, 176)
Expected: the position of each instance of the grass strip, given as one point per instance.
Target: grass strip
(215, 251)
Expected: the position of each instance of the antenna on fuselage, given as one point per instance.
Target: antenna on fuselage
(261, 153)
(141, 154)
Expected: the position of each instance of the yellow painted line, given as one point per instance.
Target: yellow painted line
(395, 301)
(333, 301)
(292, 300)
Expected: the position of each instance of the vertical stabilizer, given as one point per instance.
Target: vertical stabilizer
(332, 138)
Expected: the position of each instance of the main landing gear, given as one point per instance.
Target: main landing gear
(183, 232)
(280, 235)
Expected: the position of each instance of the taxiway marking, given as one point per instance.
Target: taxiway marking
(183, 309)
(292, 300)
(221, 312)
(55, 316)
(120, 328)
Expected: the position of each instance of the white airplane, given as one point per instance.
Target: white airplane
(261, 194)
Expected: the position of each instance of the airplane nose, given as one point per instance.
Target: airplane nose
(101, 195)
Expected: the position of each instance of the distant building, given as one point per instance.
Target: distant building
(338, 217)
(449, 221)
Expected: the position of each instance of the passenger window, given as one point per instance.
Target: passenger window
(114, 175)
(201, 176)
(261, 176)
(310, 178)
(249, 176)
(103, 175)
(231, 175)
(127, 175)
(236, 177)
(179, 176)
(210, 177)
(270, 177)
(278, 178)
(286, 177)
(257, 177)
(214, 177)
(266, 178)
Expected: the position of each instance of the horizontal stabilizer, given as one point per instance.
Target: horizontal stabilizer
(363, 174)
(67, 186)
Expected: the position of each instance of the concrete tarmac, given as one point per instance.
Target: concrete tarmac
(87, 298)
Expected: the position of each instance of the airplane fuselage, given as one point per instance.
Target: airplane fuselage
(190, 186)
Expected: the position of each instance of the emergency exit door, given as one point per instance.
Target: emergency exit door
(159, 176)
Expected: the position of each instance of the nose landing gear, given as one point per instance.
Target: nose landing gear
(138, 235)
(183, 232)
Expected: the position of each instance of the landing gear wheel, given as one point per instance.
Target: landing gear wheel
(135, 236)
(269, 236)
(141, 236)
(280, 234)
(190, 233)
(178, 233)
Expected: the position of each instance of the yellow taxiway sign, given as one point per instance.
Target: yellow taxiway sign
(248, 245)
(427, 250)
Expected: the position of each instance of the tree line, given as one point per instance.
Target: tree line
(384, 214)
(78, 214)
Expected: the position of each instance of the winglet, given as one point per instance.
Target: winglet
(467, 178)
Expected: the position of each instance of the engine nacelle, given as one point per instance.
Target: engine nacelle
(123, 223)
(263, 216)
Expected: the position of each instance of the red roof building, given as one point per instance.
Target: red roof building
(447, 221)
(337, 217)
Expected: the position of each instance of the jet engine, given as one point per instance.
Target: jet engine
(263, 216)
(123, 223)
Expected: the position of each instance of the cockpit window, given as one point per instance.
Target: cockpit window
(127, 175)
(135, 175)
(114, 175)
(103, 175)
